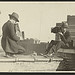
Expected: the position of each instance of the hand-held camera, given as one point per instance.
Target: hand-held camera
(56, 29)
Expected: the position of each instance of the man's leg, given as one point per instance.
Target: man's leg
(50, 46)
(59, 45)
(55, 46)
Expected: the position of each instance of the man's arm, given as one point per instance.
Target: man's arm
(63, 39)
(12, 33)
(67, 39)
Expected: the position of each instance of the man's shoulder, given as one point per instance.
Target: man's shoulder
(67, 31)
(6, 23)
(9, 24)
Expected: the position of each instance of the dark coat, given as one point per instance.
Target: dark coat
(66, 38)
(10, 40)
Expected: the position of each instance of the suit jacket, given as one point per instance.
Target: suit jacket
(10, 39)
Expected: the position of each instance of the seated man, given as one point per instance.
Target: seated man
(65, 41)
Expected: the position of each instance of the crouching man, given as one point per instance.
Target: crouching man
(10, 40)
(65, 41)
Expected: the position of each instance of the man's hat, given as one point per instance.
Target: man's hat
(15, 15)
(64, 24)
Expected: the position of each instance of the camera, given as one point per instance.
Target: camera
(56, 29)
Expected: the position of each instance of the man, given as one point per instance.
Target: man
(65, 41)
(10, 40)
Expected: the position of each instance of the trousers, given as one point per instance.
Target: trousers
(55, 45)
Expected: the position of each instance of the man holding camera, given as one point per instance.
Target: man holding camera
(64, 42)
(10, 39)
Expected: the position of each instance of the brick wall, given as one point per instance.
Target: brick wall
(30, 47)
(71, 23)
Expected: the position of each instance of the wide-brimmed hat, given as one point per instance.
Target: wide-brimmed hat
(15, 15)
(64, 25)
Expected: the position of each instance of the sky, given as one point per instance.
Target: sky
(37, 18)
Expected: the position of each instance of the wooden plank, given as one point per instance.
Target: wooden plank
(18, 58)
(72, 51)
(24, 58)
(57, 59)
(7, 60)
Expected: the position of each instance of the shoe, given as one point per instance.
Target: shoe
(34, 53)
(14, 55)
(7, 56)
(48, 55)
(41, 54)
(45, 55)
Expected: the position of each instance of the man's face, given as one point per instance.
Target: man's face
(13, 20)
(64, 29)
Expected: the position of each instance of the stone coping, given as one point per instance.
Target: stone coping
(29, 58)
(67, 51)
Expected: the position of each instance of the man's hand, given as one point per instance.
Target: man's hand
(60, 33)
(67, 44)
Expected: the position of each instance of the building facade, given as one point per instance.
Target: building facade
(71, 23)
